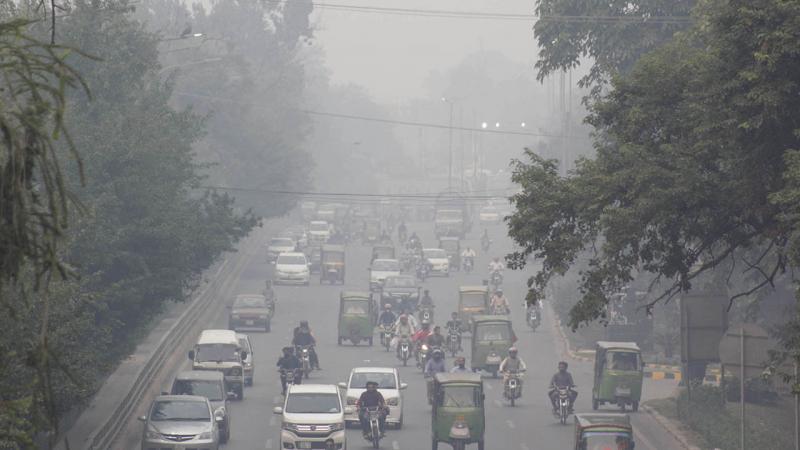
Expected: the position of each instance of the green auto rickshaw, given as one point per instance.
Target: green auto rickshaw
(457, 416)
(472, 300)
(612, 431)
(492, 336)
(452, 246)
(356, 317)
(332, 264)
(618, 374)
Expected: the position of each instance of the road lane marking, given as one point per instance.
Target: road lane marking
(268, 445)
(510, 424)
(395, 445)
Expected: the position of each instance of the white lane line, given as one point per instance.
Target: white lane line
(272, 421)
(524, 446)
(395, 445)
(510, 424)
(268, 445)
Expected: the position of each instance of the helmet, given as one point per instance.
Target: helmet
(372, 383)
(438, 353)
(303, 324)
(512, 350)
(387, 306)
(564, 363)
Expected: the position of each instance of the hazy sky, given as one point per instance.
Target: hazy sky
(393, 55)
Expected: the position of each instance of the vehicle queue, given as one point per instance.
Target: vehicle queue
(396, 311)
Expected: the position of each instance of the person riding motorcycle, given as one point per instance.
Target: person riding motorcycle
(371, 398)
(468, 255)
(414, 242)
(436, 340)
(454, 327)
(496, 265)
(287, 364)
(410, 317)
(387, 317)
(304, 337)
(562, 379)
(512, 364)
(403, 329)
(499, 303)
(460, 366)
(426, 300)
(435, 364)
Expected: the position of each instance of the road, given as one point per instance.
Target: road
(527, 426)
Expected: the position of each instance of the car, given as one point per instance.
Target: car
(312, 414)
(279, 245)
(247, 363)
(181, 422)
(319, 231)
(400, 291)
(298, 234)
(292, 268)
(489, 214)
(379, 270)
(389, 385)
(208, 384)
(219, 350)
(250, 311)
(438, 260)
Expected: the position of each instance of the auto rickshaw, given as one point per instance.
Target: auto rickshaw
(332, 267)
(472, 300)
(492, 336)
(356, 317)
(452, 246)
(618, 374)
(372, 231)
(383, 251)
(612, 431)
(457, 416)
(315, 259)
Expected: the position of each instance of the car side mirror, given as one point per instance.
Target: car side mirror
(191, 355)
(403, 386)
(244, 354)
(349, 410)
(277, 410)
(342, 385)
(142, 418)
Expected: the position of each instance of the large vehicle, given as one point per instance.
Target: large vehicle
(458, 415)
(357, 313)
(452, 216)
(389, 385)
(220, 350)
(491, 338)
(312, 417)
(332, 265)
(472, 301)
(618, 375)
(189, 417)
(603, 431)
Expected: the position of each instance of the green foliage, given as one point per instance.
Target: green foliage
(690, 152)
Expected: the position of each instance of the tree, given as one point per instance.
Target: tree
(691, 152)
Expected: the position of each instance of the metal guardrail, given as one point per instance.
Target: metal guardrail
(104, 436)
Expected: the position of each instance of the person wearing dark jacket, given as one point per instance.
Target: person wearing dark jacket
(288, 364)
(562, 379)
(371, 398)
(305, 338)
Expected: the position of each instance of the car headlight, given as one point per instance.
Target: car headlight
(235, 371)
(351, 400)
(152, 434)
(289, 426)
(393, 401)
(262, 316)
(204, 435)
(338, 426)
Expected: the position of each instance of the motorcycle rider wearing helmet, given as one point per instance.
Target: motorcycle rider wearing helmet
(387, 317)
(435, 364)
(496, 265)
(287, 364)
(562, 379)
(512, 364)
(371, 398)
(426, 299)
(435, 340)
(304, 337)
(403, 330)
(499, 302)
(454, 326)
(460, 366)
(485, 241)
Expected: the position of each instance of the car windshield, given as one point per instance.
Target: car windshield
(384, 380)
(216, 353)
(386, 266)
(250, 302)
(312, 403)
(622, 360)
(605, 440)
(281, 242)
(435, 253)
(448, 214)
(292, 260)
(353, 307)
(400, 282)
(473, 300)
(211, 390)
(493, 332)
(460, 397)
(318, 226)
(180, 410)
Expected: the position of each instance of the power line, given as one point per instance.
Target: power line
(424, 196)
(381, 120)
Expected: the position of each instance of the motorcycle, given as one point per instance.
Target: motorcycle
(469, 264)
(402, 236)
(500, 310)
(374, 418)
(422, 271)
(304, 353)
(422, 356)
(453, 341)
(386, 336)
(496, 279)
(562, 402)
(512, 390)
(291, 377)
(533, 318)
(404, 350)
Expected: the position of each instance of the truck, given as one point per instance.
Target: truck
(452, 216)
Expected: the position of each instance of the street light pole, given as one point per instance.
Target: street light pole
(450, 151)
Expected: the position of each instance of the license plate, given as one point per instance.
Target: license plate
(249, 322)
(623, 391)
(304, 445)
(493, 359)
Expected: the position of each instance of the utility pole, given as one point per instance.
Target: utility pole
(450, 151)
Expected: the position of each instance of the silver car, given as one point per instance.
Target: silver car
(181, 422)
(211, 385)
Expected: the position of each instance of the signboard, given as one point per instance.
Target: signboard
(756, 347)
(704, 318)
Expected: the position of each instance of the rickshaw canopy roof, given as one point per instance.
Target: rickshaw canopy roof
(490, 319)
(454, 378)
(476, 288)
(589, 421)
(333, 248)
(355, 295)
(608, 345)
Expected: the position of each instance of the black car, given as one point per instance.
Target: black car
(250, 311)
(401, 291)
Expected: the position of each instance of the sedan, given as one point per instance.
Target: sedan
(279, 245)
(292, 268)
(251, 311)
(389, 385)
(380, 270)
(438, 260)
(181, 422)
(400, 291)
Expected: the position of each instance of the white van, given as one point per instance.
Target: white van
(220, 350)
(313, 417)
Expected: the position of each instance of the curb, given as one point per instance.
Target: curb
(567, 349)
(668, 425)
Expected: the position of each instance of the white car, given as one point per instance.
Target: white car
(312, 414)
(380, 269)
(292, 268)
(389, 385)
(489, 214)
(438, 260)
(279, 245)
(319, 231)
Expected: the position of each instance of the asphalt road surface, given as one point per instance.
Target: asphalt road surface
(527, 426)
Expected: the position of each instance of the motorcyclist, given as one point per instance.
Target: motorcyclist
(454, 326)
(534, 307)
(499, 302)
(304, 337)
(426, 300)
(436, 340)
(371, 398)
(411, 319)
(562, 379)
(512, 364)
(460, 365)
(468, 255)
(414, 241)
(287, 364)
(436, 363)
(387, 317)
(496, 265)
